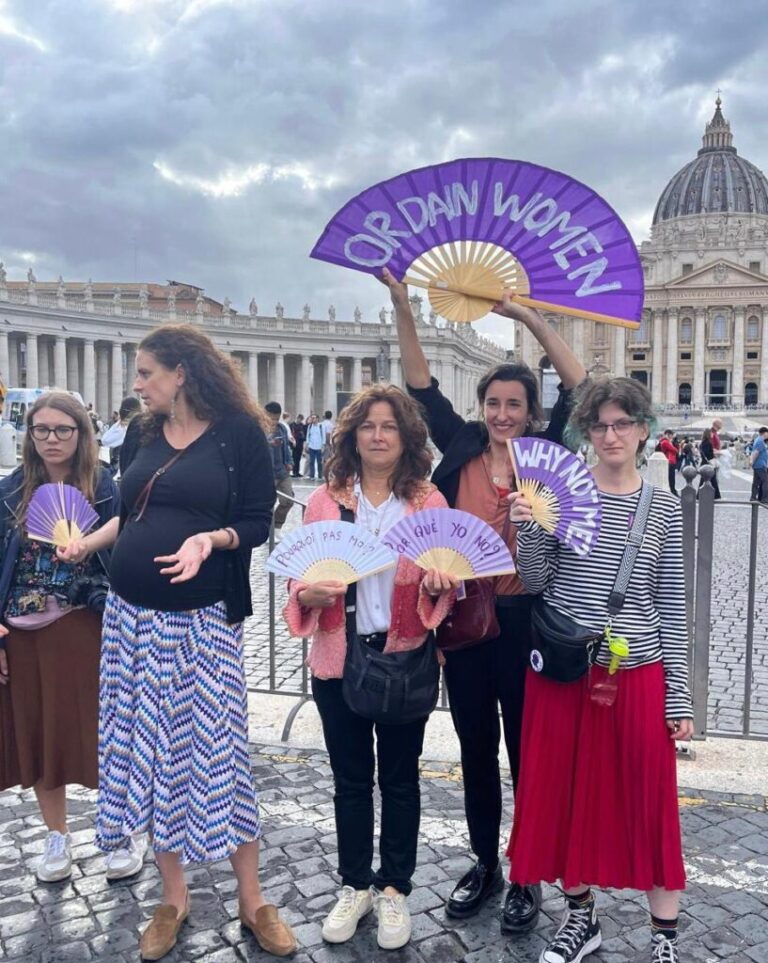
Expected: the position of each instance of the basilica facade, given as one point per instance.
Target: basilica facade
(703, 339)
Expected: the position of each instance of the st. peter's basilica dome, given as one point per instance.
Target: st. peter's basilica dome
(718, 181)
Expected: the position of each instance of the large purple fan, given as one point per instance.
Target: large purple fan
(564, 496)
(58, 513)
(468, 228)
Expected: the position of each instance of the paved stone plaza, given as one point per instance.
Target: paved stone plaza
(725, 909)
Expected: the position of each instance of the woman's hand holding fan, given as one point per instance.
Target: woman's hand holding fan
(520, 510)
(321, 595)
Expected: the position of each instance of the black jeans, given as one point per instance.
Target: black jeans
(759, 485)
(672, 478)
(479, 680)
(349, 740)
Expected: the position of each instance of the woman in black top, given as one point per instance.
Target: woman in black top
(475, 475)
(708, 456)
(197, 496)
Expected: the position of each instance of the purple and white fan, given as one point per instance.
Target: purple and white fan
(564, 496)
(468, 229)
(58, 513)
(452, 541)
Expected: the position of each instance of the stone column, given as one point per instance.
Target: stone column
(764, 359)
(32, 365)
(657, 377)
(304, 394)
(130, 368)
(279, 378)
(88, 389)
(73, 366)
(699, 349)
(672, 357)
(620, 352)
(395, 373)
(330, 400)
(117, 377)
(102, 383)
(737, 380)
(253, 374)
(5, 359)
(60, 363)
(14, 366)
(357, 375)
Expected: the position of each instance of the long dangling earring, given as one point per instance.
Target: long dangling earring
(172, 415)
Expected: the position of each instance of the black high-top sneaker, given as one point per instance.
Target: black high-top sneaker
(664, 949)
(578, 936)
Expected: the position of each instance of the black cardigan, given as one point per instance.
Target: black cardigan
(460, 441)
(244, 450)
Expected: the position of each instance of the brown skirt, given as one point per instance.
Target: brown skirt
(49, 711)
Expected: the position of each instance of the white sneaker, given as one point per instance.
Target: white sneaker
(128, 860)
(394, 920)
(352, 905)
(56, 861)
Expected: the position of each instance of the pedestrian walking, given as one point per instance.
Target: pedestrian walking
(114, 436)
(315, 444)
(758, 459)
(196, 497)
(50, 634)
(299, 430)
(597, 799)
(670, 451)
(475, 475)
(708, 456)
(282, 462)
(378, 474)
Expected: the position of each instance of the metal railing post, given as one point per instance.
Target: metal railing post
(688, 508)
(703, 595)
(750, 641)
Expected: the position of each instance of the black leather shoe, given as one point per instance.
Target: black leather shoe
(521, 908)
(472, 890)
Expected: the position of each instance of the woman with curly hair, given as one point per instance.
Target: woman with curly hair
(378, 472)
(197, 496)
(597, 800)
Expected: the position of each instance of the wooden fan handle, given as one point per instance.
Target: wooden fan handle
(493, 295)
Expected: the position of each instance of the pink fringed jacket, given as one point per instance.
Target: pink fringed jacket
(414, 612)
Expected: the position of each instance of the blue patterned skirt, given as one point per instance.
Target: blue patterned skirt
(173, 732)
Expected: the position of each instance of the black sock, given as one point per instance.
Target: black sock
(667, 927)
(581, 901)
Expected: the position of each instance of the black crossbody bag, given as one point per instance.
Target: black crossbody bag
(563, 650)
(394, 688)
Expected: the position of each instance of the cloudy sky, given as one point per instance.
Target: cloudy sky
(209, 141)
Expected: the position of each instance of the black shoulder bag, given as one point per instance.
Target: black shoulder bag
(393, 688)
(563, 650)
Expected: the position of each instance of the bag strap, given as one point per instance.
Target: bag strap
(141, 502)
(350, 598)
(631, 550)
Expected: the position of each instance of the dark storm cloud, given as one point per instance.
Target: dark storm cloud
(133, 125)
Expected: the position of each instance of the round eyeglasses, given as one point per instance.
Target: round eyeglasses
(43, 432)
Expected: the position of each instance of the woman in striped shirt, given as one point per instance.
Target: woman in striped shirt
(597, 805)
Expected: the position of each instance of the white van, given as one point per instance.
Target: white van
(19, 400)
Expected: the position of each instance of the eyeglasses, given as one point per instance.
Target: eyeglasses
(43, 432)
(621, 427)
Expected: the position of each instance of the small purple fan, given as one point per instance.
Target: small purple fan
(451, 541)
(468, 229)
(564, 496)
(58, 513)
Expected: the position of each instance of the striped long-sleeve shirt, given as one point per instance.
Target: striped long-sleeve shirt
(653, 617)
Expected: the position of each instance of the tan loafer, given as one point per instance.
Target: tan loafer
(159, 937)
(272, 934)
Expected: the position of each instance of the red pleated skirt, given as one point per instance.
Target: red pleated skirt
(597, 799)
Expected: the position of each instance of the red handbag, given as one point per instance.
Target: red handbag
(472, 620)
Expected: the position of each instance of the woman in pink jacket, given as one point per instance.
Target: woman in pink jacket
(378, 471)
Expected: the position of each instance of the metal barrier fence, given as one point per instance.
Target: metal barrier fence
(698, 538)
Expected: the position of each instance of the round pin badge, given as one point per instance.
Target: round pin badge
(537, 660)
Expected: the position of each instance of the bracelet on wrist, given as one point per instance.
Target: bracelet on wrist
(230, 533)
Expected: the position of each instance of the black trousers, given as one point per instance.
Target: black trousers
(759, 485)
(349, 740)
(479, 680)
(298, 448)
(672, 479)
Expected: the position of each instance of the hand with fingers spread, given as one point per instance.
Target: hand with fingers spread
(321, 595)
(185, 564)
(435, 582)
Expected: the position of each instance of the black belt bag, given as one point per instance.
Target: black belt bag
(394, 688)
(563, 650)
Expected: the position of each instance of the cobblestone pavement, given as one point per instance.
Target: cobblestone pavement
(725, 907)
(728, 626)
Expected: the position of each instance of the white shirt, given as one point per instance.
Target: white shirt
(374, 593)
